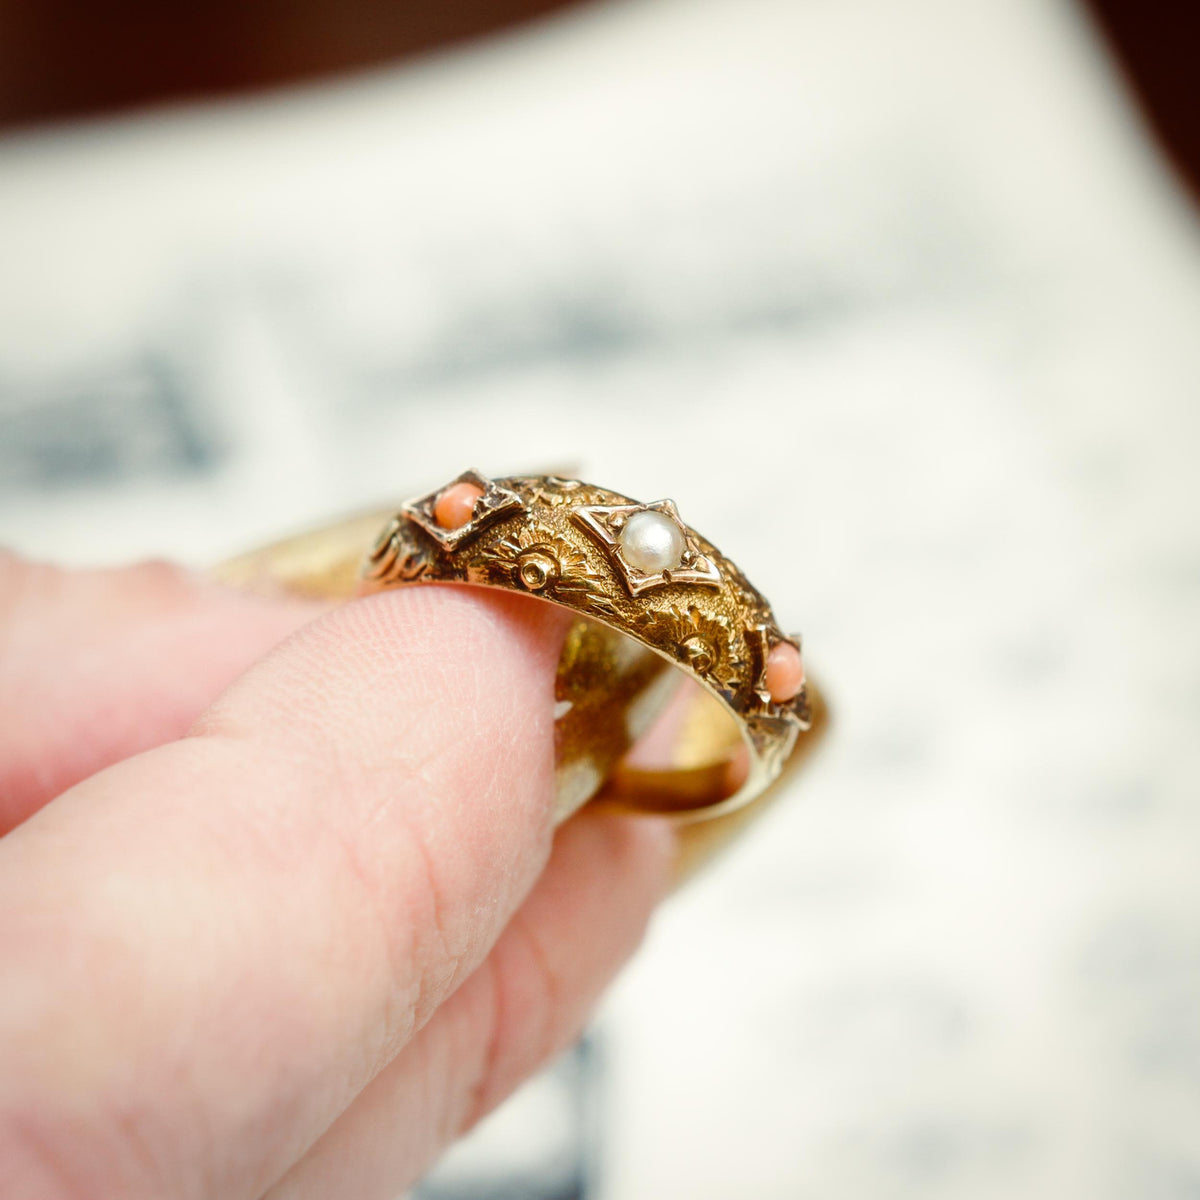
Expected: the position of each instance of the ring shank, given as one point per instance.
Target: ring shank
(561, 541)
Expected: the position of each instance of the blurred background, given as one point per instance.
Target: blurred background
(899, 301)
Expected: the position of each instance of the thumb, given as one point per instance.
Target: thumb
(211, 948)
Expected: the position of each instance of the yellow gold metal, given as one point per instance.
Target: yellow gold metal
(319, 564)
(563, 541)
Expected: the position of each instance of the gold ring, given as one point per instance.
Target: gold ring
(650, 591)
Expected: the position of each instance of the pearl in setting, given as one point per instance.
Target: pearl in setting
(651, 542)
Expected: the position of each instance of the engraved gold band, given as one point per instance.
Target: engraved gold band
(652, 591)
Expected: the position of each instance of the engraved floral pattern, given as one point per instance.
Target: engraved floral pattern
(702, 641)
(539, 561)
(394, 558)
(533, 539)
(755, 609)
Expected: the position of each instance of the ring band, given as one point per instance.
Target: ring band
(630, 569)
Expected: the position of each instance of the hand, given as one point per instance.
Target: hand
(281, 907)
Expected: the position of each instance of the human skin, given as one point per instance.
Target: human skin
(282, 908)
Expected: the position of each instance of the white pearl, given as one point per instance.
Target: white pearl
(652, 542)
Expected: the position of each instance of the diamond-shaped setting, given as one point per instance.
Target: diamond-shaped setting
(667, 541)
(496, 503)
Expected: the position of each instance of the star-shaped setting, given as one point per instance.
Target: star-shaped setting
(462, 508)
(649, 544)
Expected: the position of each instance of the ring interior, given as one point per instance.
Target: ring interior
(636, 731)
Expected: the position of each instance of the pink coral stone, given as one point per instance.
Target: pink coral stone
(455, 506)
(785, 672)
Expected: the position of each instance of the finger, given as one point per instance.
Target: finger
(98, 665)
(211, 948)
(528, 1001)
